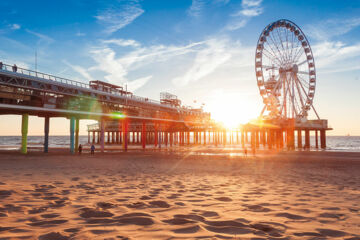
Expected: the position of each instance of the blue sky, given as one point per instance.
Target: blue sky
(200, 50)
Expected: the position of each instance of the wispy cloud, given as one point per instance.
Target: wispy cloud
(14, 26)
(42, 37)
(122, 42)
(82, 71)
(221, 1)
(80, 34)
(249, 9)
(117, 68)
(206, 61)
(196, 8)
(117, 17)
(331, 28)
(336, 56)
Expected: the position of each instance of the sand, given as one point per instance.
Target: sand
(188, 195)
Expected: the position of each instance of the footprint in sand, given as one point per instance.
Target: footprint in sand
(53, 236)
(5, 194)
(93, 213)
(224, 199)
(257, 208)
(187, 230)
(290, 216)
(105, 205)
(331, 232)
(159, 204)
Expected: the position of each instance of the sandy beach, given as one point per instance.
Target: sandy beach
(180, 195)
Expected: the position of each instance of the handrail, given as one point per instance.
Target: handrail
(50, 77)
(31, 73)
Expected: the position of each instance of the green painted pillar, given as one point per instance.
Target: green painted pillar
(46, 132)
(77, 126)
(102, 134)
(72, 135)
(24, 132)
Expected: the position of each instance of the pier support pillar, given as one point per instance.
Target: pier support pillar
(307, 139)
(46, 132)
(77, 126)
(159, 136)
(102, 135)
(316, 139)
(72, 135)
(323, 139)
(24, 132)
(143, 135)
(299, 139)
(125, 134)
(252, 139)
(290, 139)
(171, 138)
(156, 135)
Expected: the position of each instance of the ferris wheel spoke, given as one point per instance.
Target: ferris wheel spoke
(304, 81)
(281, 41)
(299, 92)
(274, 57)
(303, 62)
(270, 67)
(298, 56)
(276, 46)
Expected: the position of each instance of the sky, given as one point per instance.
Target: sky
(200, 50)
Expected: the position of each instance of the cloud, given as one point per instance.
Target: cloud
(331, 28)
(117, 68)
(196, 8)
(335, 56)
(251, 3)
(117, 17)
(236, 24)
(206, 61)
(42, 38)
(15, 26)
(122, 42)
(82, 71)
(249, 9)
(221, 1)
(80, 34)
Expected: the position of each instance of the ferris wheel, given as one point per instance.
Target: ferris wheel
(285, 71)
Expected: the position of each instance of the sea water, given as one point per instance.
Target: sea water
(334, 143)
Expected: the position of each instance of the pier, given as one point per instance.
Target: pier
(129, 120)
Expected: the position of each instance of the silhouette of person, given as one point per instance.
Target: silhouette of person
(14, 68)
(1, 65)
(80, 149)
(245, 152)
(92, 149)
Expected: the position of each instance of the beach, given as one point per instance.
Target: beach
(187, 194)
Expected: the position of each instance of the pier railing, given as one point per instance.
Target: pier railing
(36, 74)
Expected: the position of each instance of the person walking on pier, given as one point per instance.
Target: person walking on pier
(80, 149)
(14, 68)
(92, 149)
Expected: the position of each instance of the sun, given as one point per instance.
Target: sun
(231, 108)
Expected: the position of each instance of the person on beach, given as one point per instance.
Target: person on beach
(245, 152)
(92, 149)
(80, 149)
